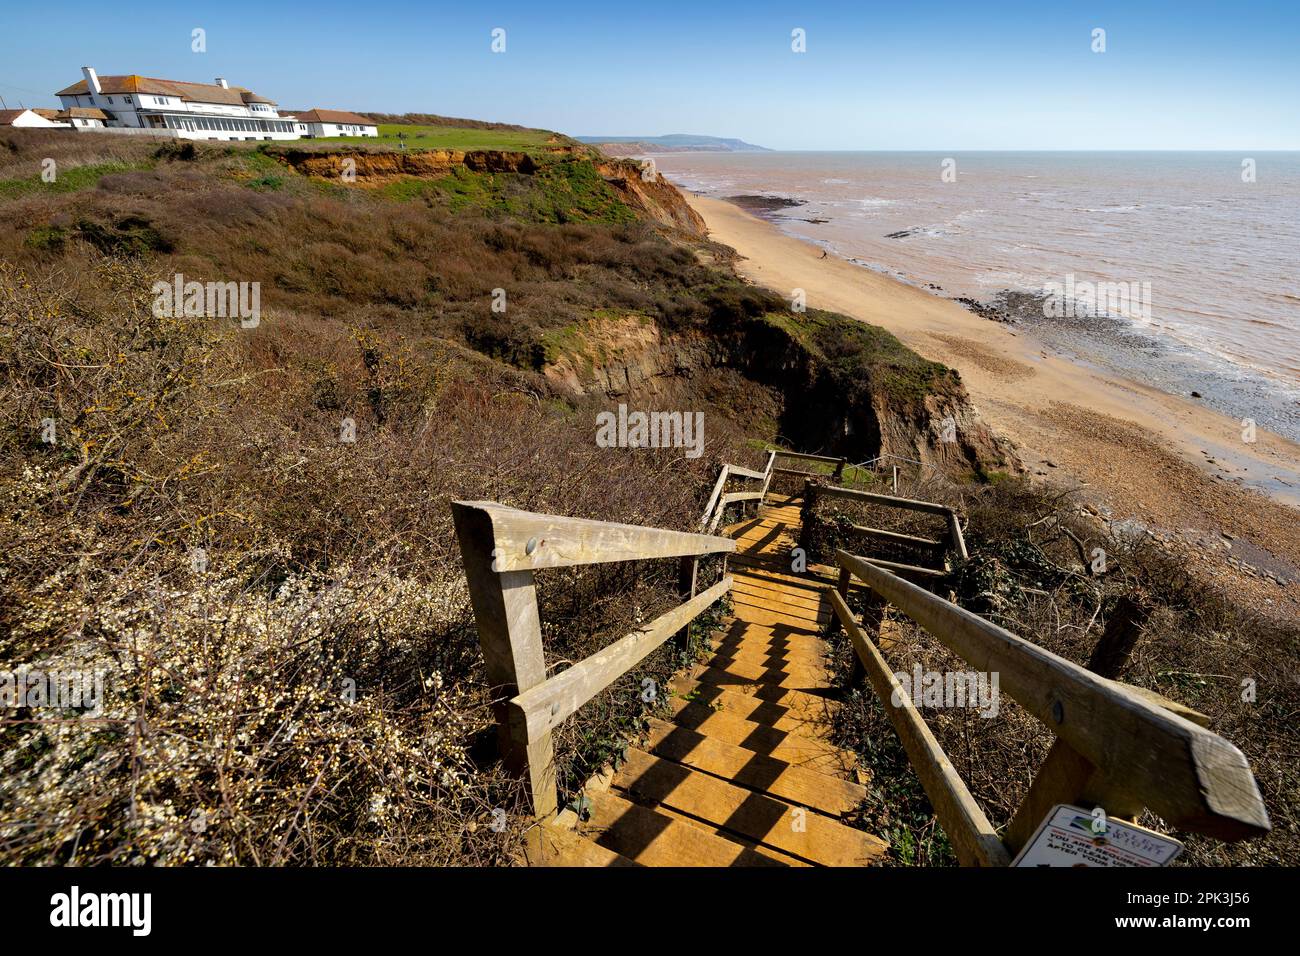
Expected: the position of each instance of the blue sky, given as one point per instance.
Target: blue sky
(897, 75)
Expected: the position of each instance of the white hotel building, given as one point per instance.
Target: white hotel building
(188, 110)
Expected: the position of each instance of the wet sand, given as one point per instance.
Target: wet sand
(1163, 460)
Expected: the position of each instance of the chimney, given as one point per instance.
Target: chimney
(92, 81)
(221, 82)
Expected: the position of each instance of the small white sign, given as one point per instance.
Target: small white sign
(1072, 836)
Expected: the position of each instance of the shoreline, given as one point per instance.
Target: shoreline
(1154, 457)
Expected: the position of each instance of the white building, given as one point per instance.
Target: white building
(83, 117)
(28, 119)
(316, 123)
(181, 109)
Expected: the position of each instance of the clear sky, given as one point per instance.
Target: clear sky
(897, 75)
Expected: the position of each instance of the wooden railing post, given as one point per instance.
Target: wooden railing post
(839, 469)
(510, 635)
(687, 581)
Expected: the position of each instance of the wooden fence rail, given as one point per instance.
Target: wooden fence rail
(501, 547)
(1124, 748)
(814, 492)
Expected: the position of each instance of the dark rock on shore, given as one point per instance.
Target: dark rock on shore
(764, 204)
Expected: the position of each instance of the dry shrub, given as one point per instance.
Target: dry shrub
(290, 663)
(1029, 572)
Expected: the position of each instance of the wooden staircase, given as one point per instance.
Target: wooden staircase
(741, 771)
(743, 774)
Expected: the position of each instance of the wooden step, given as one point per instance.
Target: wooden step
(770, 706)
(550, 845)
(739, 675)
(811, 616)
(777, 575)
(778, 594)
(798, 831)
(785, 858)
(745, 768)
(757, 615)
(808, 752)
(779, 582)
(739, 633)
(654, 839)
(755, 703)
(769, 655)
(774, 670)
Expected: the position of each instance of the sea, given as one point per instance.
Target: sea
(1179, 269)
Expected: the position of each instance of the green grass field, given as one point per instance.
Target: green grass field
(450, 137)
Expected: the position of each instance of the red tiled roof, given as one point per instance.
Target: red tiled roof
(333, 116)
(190, 92)
(82, 112)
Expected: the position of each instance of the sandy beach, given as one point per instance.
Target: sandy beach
(1182, 470)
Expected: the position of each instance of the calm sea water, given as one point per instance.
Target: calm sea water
(1222, 256)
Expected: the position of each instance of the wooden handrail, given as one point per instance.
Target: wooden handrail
(545, 706)
(525, 541)
(909, 504)
(501, 547)
(1149, 755)
(814, 490)
(713, 498)
(804, 456)
(974, 839)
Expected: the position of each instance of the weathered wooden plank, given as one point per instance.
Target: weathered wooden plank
(745, 768)
(546, 705)
(746, 472)
(805, 456)
(1191, 777)
(913, 570)
(810, 753)
(881, 534)
(653, 839)
(972, 836)
(713, 498)
(553, 846)
(524, 541)
(779, 707)
(510, 636)
(910, 504)
(767, 476)
(723, 671)
(958, 540)
(774, 823)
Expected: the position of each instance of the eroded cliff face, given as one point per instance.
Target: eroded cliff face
(375, 168)
(766, 374)
(654, 197)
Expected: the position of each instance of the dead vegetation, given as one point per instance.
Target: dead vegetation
(1035, 570)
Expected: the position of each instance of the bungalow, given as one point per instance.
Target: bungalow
(175, 107)
(28, 119)
(316, 123)
(83, 117)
